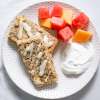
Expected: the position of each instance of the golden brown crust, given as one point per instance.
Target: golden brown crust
(35, 28)
(36, 52)
(33, 64)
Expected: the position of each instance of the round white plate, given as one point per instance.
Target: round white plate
(66, 85)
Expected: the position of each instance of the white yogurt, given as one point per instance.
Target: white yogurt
(75, 56)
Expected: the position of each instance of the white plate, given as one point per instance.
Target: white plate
(66, 86)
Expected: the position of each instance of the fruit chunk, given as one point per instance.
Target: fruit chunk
(64, 34)
(82, 36)
(43, 12)
(46, 23)
(57, 23)
(67, 16)
(57, 10)
(81, 21)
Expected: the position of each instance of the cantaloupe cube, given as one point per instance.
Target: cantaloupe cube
(46, 23)
(67, 16)
(82, 36)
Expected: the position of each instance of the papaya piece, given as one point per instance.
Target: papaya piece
(82, 36)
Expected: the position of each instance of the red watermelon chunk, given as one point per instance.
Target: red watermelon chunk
(57, 23)
(81, 21)
(43, 12)
(65, 34)
(57, 10)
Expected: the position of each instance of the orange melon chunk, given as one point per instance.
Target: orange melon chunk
(67, 16)
(46, 23)
(82, 36)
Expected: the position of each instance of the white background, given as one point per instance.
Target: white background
(8, 9)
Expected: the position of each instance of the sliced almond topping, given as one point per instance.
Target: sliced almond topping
(28, 29)
(19, 35)
(42, 67)
(47, 41)
(39, 55)
(29, 49)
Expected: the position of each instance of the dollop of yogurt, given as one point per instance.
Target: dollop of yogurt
(75, 57)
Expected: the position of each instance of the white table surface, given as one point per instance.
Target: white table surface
(8, 9)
